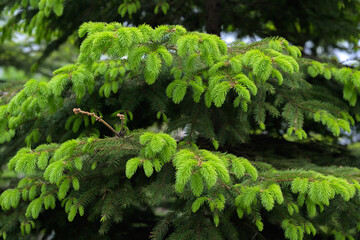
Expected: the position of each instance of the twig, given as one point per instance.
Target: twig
(122, 131)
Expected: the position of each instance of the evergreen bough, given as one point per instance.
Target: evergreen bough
(214, 93)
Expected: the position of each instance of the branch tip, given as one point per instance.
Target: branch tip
(121, 116)
(76, 110)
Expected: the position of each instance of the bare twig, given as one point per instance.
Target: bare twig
(122, 131)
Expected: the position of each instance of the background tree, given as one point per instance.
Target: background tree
(260, 102)
(325, 23)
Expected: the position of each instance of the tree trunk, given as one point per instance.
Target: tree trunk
(213, 24)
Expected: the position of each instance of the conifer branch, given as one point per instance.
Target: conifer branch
(204, 64)
(122, 131)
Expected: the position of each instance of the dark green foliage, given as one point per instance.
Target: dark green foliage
(323, 22)
(219, 94)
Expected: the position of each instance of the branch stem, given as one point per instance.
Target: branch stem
(121, 133)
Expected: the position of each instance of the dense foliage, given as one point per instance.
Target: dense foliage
(162, 132)
(148, 184)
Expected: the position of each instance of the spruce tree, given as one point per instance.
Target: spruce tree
(183, 189)
(98, 157)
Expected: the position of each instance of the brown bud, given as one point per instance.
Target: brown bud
(121, 116)
(76, 110)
